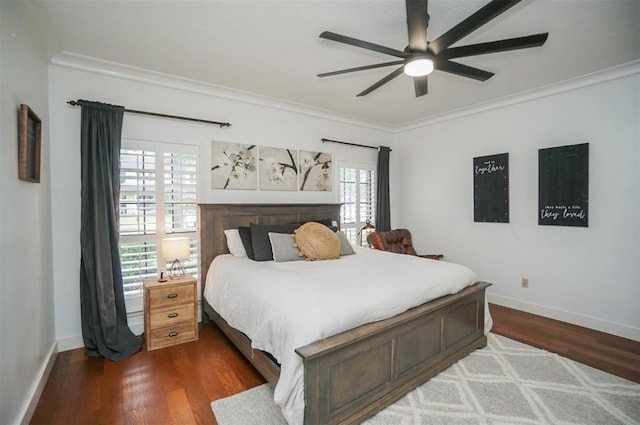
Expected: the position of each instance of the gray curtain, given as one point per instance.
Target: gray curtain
(383, 203)
(104, 320)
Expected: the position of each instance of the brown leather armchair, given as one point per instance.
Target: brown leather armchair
(398, 241)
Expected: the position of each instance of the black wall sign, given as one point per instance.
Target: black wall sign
(563, 186)
(491, 188)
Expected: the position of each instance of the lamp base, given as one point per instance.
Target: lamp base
(176, 271)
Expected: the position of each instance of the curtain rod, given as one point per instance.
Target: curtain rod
(156, 114)
(351, 144)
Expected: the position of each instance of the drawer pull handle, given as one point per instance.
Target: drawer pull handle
(172, 315)
(172, 334)
(172, 296)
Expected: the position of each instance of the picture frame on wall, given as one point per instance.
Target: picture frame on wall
(233, 166)
(491, 188)
(278, 169)
(563, 186)
(315, 171)
(29, 144)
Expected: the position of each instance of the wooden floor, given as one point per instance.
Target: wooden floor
(176, 385)
(618, 356)
(172, 386)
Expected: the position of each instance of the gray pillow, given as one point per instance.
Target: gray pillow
(260, 239)
(347, 249)
(282, 247)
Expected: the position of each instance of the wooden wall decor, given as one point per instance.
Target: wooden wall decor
(563, 186)
(491, 188)
(29, 140)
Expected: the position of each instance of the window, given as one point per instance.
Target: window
(358, 197)
(159, 193)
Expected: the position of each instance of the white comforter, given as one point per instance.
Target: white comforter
(285, 305)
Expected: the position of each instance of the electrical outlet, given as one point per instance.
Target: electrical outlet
(525, 282)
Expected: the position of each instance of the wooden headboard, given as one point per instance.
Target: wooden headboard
(215, 218)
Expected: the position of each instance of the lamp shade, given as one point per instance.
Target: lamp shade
(364, 232)
(176, 248)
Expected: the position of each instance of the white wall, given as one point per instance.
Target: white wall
(588, 276)
(263, 122)
(584, 276)
(26, 297)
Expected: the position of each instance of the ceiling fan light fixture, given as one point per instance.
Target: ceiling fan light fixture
(418, 66)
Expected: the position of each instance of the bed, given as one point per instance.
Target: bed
(351, 375)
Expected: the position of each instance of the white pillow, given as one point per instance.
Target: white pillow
(234, 243)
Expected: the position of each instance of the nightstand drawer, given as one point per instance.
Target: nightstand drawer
(161, 297)
(170, 312)
(171, 335)
(169, 316)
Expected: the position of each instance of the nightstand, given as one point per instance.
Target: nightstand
(170, 312)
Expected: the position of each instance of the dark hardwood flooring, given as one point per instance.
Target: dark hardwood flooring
(172, 386)
(175, 385)
(618, 356)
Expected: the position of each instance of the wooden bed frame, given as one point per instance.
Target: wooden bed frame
(353, 375)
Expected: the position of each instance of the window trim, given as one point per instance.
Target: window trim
(358, 166)
(134, 303)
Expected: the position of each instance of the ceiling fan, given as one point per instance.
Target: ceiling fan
(421, 57)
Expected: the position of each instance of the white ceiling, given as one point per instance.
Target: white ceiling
(272, 48)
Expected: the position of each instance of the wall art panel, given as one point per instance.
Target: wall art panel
(563, 186)
(315, 171)
(233, 166)
(491, 188)
(278, 169)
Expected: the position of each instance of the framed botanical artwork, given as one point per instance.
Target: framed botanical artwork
(315, 171)
(278, 169)
(233, 166)
(29, 142)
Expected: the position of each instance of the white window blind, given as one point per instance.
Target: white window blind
(158, 198)
(358, 197)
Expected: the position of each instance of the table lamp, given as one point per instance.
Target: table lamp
(176, 250)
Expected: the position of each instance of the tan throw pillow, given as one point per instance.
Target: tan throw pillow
(317, 242)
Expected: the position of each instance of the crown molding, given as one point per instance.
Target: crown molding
(609, 74)
(125, 72)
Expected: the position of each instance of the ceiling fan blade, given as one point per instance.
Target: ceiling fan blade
(417, 22)
(360, 68)
(385, 80)
(463, 70)
(473, 22)
(363, 44)
(421, 85)
(495, 46)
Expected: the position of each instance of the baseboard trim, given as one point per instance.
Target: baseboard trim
(70, 343)
(76, 341)
(568, 317)
(35, 391)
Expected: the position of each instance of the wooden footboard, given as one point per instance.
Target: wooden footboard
(353, 375)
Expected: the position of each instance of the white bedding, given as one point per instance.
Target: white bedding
(281, 306)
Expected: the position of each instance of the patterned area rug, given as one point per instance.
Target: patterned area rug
(505, 383)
